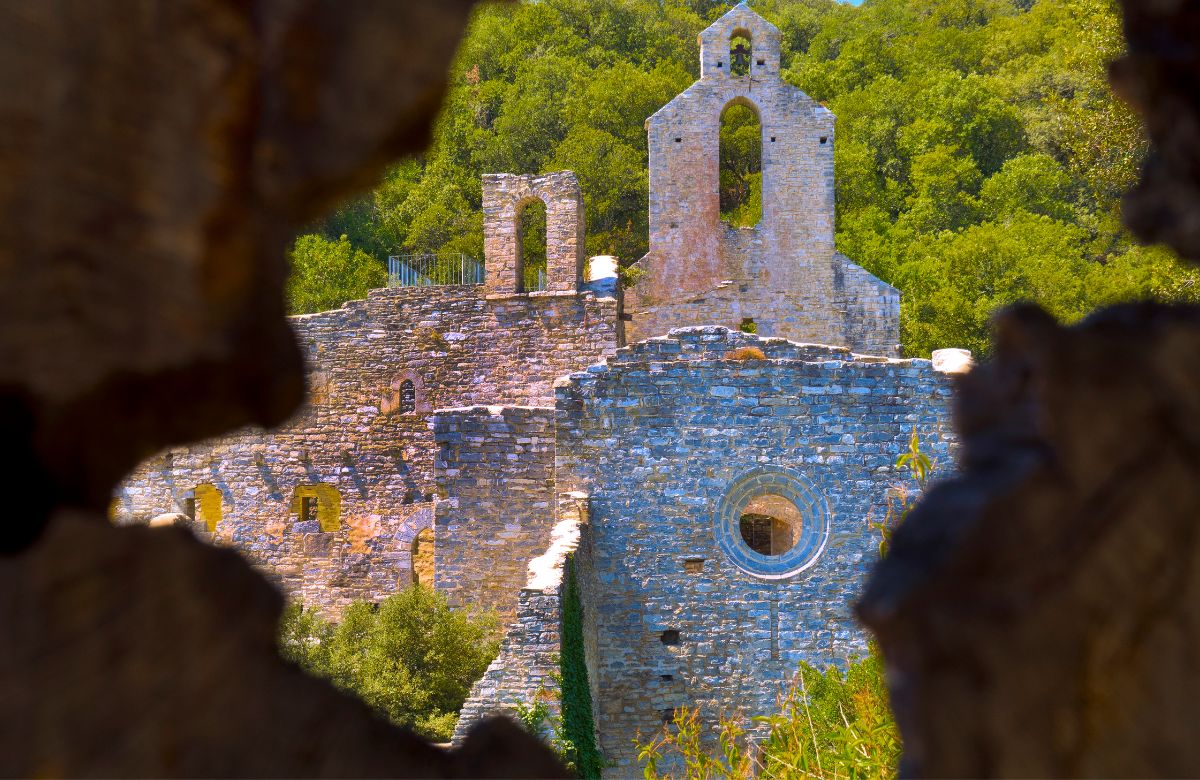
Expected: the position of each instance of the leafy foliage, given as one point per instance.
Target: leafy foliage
(980, 152)
(741, 166)
(326, 274)
(411, 657)
(578, 728)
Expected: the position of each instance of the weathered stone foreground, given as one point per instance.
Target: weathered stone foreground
(157, 158)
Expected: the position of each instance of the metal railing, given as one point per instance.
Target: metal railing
(429, 270)
(535, 279)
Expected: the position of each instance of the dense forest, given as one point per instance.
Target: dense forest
(980, 153)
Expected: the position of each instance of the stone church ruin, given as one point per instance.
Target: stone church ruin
(712, 488)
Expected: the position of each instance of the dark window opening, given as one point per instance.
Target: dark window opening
(678, 140)
(668, 715)
(739, 53)
(666, 677)
(824, 139)
(694, 565)
(531, 246)
(761, 63)
(720, 64)
(740, 182)
(772, 139)
(770, 525)
(308, 509)
(408, 397)
(189, 508)
(670, 637)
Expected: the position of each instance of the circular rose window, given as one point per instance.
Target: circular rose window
(772, 522)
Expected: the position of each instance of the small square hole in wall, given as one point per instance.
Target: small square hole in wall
(666, 677)
(824, 139)
(761, 63)
(694, 565)
(678, 140)
(669, 637)
(772, 139)
(720, 64)
(668, 715)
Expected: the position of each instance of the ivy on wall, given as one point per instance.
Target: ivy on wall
(578, 727)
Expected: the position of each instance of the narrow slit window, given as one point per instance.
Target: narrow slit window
(408, 397)
(308, 509)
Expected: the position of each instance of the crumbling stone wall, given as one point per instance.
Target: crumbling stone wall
(527, 669)
(783, 273)
(504, 197)
(457, 346)
(665, 438)
(496, 469)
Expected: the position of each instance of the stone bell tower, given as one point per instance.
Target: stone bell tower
(784, 273)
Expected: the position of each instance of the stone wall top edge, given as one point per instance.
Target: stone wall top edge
(887, 288)
(711, 83)
(492, 410)
(383, 293)
(712, 345)
(440, 292)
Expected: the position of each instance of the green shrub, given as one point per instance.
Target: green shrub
(411, 657)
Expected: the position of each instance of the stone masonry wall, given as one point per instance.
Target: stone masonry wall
(457, 346)
(496, 468)
(784, 272)
(526, 670)
(669, 438)
(504, 197)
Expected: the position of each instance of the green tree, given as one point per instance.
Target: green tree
(959, 121)
(326, 274)
(411, 657)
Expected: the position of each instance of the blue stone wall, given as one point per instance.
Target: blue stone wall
(667, 438)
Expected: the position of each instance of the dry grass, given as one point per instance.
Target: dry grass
(747, 353)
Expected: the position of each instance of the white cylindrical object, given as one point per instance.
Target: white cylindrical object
(952, 361)
(601, 267)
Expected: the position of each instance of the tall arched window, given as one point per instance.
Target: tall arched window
(740, 52)
(408, 397)
(741, 165)
(531, 245)
(422, 558)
